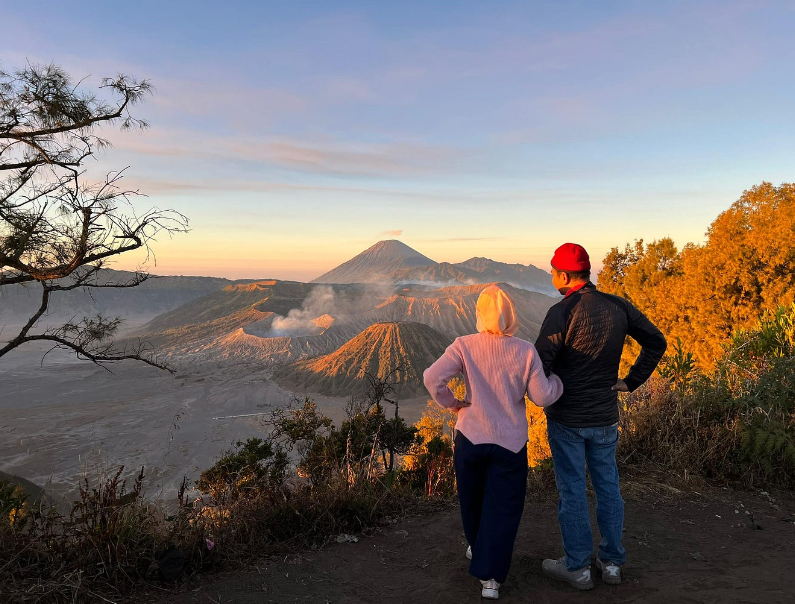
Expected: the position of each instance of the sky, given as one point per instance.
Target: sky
(296, 134)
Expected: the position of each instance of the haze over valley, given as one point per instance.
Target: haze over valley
(239, 349)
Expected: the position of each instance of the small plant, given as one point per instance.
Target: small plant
(13, 503)
(679, 366)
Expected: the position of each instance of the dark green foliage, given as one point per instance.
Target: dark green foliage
(431, 468)
(679, 366)
(12, 502)
(254, 465)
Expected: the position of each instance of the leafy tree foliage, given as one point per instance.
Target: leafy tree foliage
(255, 464)
(703, 293)
(58, 228)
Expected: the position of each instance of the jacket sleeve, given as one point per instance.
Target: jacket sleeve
(542, 390)
(551, 337)
(442, 371)
(652, 343)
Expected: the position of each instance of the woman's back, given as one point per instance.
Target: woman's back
(498, 371)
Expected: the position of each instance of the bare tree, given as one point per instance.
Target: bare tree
(57, 230)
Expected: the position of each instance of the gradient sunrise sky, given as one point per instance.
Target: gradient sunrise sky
(295, 134)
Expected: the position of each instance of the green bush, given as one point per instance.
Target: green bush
(253, 465)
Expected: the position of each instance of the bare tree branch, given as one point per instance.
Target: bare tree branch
(56, 228)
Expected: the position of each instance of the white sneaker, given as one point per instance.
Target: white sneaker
(469, 552)
(490, 589)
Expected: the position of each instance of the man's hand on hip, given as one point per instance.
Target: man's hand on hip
(620, 386)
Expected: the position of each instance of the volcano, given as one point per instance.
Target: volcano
(378, 350)
(376, 264)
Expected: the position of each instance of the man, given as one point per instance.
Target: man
(581, 341)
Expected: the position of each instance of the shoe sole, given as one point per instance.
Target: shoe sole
(574, 584)
(605, 577)
(490, 594)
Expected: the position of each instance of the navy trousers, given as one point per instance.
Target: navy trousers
(492, 484)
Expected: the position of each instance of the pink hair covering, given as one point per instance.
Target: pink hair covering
(496, 312)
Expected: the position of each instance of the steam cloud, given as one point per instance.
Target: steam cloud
(298, 321)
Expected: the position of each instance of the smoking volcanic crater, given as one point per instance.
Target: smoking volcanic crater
(378, 350)
(273, 322)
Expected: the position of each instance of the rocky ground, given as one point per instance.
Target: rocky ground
(684, 546)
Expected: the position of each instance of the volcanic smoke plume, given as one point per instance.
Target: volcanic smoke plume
(300, 321)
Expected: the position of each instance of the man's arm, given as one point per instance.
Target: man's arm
(653, 347)
(551, 337)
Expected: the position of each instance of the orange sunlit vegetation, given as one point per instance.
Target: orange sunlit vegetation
(438, 422)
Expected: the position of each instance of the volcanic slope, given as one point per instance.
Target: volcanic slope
(451, 310)
(216, 324)
(378, 350)
(518, 275)
(376, 264)
(273, 322)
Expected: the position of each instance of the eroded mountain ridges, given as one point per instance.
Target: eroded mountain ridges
(275, 323)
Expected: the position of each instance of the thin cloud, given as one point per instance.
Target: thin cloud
(393, 233)
(453, 239)
(307, 156)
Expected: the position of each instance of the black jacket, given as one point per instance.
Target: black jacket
(581, 340)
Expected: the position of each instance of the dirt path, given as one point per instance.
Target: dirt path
(682, 548)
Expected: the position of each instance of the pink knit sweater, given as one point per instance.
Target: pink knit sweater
(498, 371)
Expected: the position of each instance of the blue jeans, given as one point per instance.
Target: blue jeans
(572, 449)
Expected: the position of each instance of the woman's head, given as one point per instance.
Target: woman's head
(496, 312)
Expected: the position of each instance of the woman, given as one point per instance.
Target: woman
(491, 430)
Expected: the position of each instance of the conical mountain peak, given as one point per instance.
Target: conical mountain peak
(376, 264)
(378, 350)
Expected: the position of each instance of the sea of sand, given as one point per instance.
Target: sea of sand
(62, 419)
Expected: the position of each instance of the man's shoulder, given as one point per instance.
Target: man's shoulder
(615, 299)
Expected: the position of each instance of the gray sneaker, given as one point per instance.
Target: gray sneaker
(611, 572)
(578, 579)
(490, 589)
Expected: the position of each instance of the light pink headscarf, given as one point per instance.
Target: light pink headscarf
(496, 312)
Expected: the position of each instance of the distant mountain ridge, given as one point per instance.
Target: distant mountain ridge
(154, 296)
(396, 263)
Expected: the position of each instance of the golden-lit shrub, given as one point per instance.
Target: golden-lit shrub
(537, 441)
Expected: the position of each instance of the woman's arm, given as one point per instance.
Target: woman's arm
(442, 371)
(542, 390)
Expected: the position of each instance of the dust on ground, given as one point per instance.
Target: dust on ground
(705, 546)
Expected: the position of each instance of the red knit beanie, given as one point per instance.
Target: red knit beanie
(571, 257)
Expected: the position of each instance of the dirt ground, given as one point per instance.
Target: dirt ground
(683, 546)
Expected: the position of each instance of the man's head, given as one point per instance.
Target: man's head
(570, 267)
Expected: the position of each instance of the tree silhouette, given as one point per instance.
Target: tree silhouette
(58, 229)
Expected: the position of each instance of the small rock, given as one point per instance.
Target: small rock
(346, 538)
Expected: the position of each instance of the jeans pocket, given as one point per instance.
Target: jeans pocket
(561, 432)
(610, 434)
